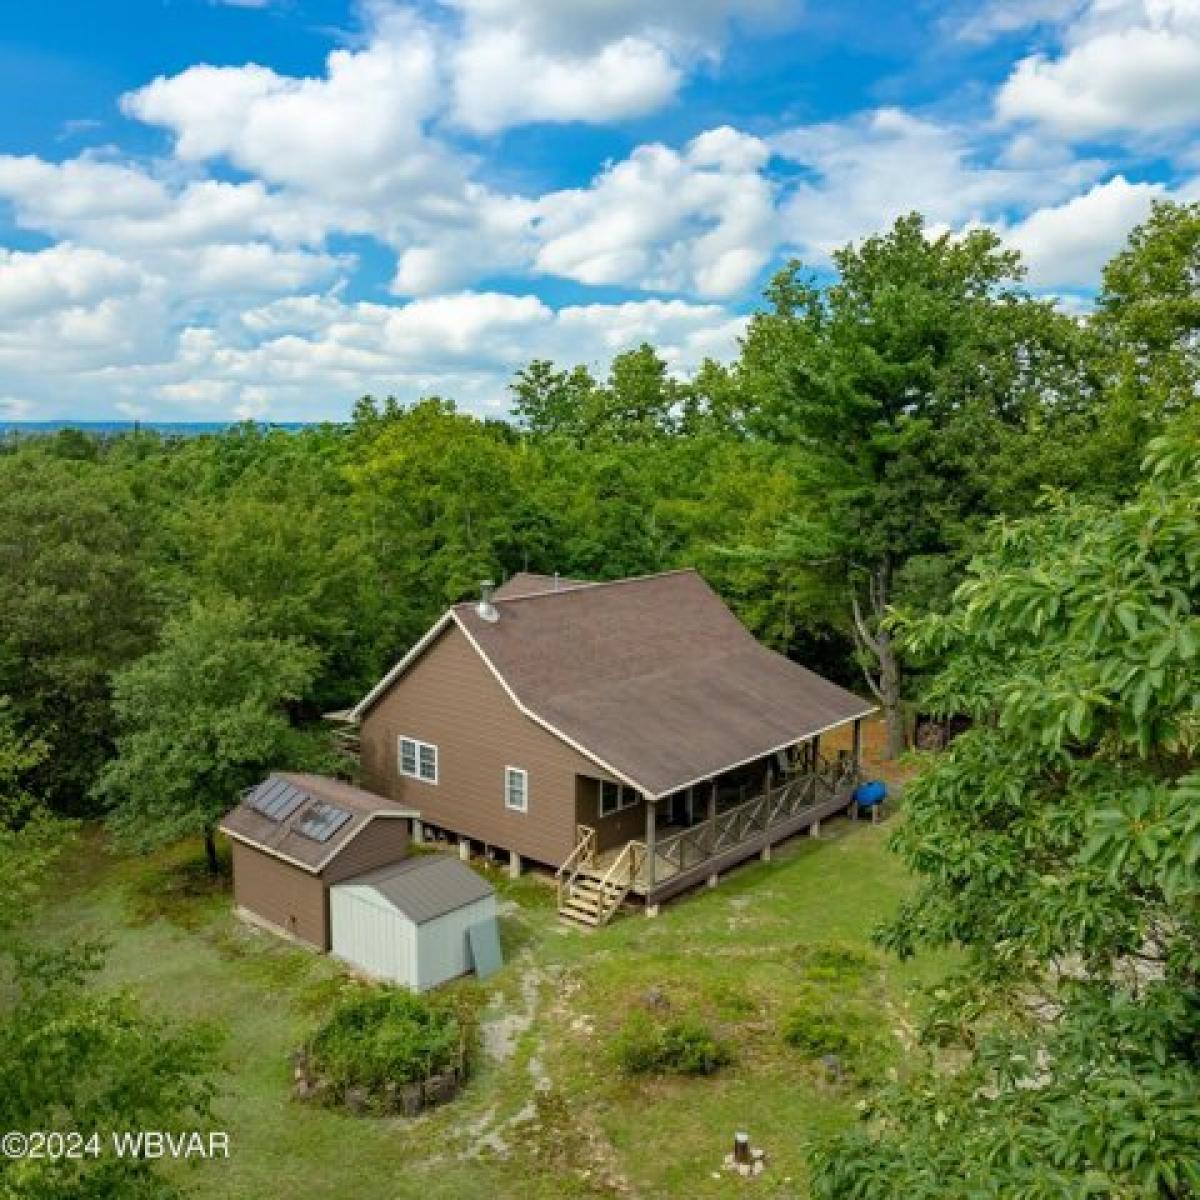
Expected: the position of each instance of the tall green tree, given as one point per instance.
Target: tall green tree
(1057, 847)
(894, 378)
(74, 606)
(1148, 311)
(202, 718)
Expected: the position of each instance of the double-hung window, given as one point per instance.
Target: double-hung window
(418, 760)
(516, 789)
(615, 796)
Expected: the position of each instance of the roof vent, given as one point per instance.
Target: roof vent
(485, 608)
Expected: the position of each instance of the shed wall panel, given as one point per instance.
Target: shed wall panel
(449, 697)
(383, 841)
(282, 895)
(443, 952)
(373, 937)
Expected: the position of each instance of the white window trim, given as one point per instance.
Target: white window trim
(627, 797)
(418, 746)
(508, 772)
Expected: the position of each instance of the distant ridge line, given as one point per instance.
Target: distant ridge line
(178, 428)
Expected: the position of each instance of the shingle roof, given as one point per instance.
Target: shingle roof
(526, 583)
(281, 838)
(424, 887)
(654, 677)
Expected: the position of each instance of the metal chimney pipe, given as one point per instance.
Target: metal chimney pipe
(485, 608)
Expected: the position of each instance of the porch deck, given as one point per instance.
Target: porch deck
(683, 857)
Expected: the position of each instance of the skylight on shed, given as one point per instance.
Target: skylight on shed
(276, 799)
(321, 821)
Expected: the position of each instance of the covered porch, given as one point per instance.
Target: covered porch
(657, 847)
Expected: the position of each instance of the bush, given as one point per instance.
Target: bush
(835, 962)
(386, 1036)
(683, 1046)
(820, 1026)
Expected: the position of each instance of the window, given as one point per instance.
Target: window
(418, 760)
(615, 796)
(516, 789)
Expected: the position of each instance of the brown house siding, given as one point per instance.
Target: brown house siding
(382, 841)
(282, 895)
(627, 825)
(450, 698)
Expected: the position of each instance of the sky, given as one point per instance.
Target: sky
(229, 209)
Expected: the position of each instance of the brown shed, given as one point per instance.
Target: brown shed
(295, 835)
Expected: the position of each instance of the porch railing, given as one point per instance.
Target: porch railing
(580, 857)
(726, 830)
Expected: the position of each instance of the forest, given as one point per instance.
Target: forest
(917, 477)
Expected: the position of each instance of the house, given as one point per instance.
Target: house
(295, 836)
(420, 922)
(631, 735)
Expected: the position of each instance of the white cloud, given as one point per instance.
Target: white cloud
(16, 408)
(702, 220)
(501, 80)
(62, 276)
(865, 172)
(352, 134)
(999, 18)
(298, 356)
(1126, 68)
(1068, 244)
(520, 61)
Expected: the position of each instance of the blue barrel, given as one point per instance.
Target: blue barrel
(871, 793)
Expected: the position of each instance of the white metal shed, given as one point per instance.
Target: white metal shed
(418, 922)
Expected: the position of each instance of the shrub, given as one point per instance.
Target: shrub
(386, 1036)
(682, 1046)
(834, 961)
(820, 1026)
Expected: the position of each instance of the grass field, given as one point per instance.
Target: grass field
(547, 1115)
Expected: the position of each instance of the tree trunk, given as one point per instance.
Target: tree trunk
(889, 689)
(875, 641)
(210, 851)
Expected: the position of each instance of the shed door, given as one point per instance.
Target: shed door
(371, 935)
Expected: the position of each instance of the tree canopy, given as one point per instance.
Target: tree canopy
(1057, 844)
(202, 718)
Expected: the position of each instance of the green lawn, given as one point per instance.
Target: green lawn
(548, 1115)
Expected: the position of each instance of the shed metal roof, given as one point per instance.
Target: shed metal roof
(424, 887)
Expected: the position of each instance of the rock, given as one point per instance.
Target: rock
(758, 1154)
(833, 1066)
(656, 999)
(356, 1100)
(759, 1167)
(411, 1099)
(744, 1170)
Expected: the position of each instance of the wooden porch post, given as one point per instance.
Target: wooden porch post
(712, 826)
(856, 752)
(650, 851)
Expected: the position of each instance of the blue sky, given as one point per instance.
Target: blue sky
(212, 210)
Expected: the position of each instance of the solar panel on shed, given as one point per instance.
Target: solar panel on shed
(276, 799)
(322, 821)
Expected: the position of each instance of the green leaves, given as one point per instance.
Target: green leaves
(203, 717)
(1057, 844)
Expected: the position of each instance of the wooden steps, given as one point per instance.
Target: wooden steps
(591, 902)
